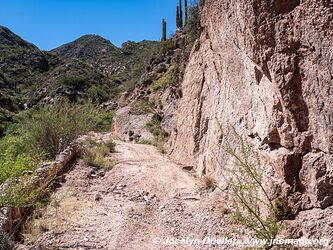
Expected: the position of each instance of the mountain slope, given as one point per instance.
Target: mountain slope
(90, 66)
(20, 59)
(20, 62)
(87, 48)
(122, 65)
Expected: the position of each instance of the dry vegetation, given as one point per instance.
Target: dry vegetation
(95, 153)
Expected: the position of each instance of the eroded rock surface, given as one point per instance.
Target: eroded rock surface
(265, 68)
(131, 127)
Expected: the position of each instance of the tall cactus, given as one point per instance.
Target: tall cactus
(186, 13)
(163, 30)
(181, 13)
(178, 18)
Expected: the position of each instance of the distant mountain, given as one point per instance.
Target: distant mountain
(90, 66)
(20, 61)
(8, 38)
(123, 66)
(87, 48)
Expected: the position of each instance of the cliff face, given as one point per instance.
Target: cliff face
(266, 69)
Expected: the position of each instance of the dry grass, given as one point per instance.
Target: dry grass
(95, 154)
(209, 181)
(223, 208)
(50, 218)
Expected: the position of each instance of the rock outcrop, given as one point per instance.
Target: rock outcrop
(131, 127)
(264, 68)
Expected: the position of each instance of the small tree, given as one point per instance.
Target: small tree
(249, 195)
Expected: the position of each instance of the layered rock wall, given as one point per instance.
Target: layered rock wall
(265, 68)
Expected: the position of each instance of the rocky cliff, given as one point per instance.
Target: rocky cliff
(264, 68)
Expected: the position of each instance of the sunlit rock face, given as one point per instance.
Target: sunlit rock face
(265, 68)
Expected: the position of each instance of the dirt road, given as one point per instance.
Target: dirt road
(145, 202)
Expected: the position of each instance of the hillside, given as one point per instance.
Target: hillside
(20, 61)
(90, 57)
(89, 67)
(122, 65)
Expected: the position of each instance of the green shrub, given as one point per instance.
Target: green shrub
(168, 45)
(249, 195)
(76, 82)
(166, 79)
(103, 120)
(42, 134)
(6, 118)
(160, 136)
(14, 165)
(94, 154)
(51, 128)
(13, 144)
(24, 193)
(97, 93)
(111, 146)
(142, 107)
(2, 130)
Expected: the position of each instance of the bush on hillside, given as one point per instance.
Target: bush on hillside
(168, 45)
(24, 193)
(41, 134)
(141, 107)
(97, 94)
(94, 154)
(6, 117)
(166, 79)
(76, 82)
(160, 136)
(50, 129)
(15, 165)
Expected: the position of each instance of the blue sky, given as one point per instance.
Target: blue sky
(51, 23)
